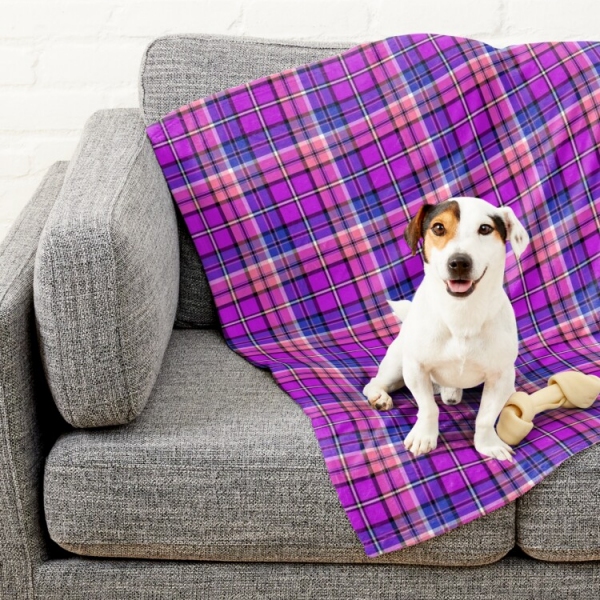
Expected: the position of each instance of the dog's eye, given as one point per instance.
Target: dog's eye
(438, 229)
(485, 229)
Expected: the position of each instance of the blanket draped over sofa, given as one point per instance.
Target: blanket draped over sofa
(296, 189)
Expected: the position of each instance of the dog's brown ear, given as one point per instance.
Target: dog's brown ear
(414, 231)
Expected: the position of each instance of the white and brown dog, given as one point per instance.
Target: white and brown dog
(459, 330)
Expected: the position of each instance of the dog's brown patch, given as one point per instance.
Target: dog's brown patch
(446, 214)
(499, 227)
(414, 232)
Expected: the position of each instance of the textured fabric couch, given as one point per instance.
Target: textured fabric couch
(141, 458)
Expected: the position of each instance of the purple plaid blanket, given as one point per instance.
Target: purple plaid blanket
(296, 189)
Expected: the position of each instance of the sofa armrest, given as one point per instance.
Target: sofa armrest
(106, 279)
(25, 403)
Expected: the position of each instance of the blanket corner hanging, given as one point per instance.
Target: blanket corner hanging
(296, 189)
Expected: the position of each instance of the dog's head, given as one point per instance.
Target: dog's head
(464, 241)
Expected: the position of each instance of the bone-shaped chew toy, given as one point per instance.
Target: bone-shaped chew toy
(569, 389)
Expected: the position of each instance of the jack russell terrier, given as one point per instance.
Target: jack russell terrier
(459, 330)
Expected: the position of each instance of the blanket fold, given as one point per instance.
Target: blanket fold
(296, 189)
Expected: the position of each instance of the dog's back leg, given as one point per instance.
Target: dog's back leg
(388, 378)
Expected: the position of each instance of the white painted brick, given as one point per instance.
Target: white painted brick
(14, 164)
(89, 53)
(48, 150)
(105, 63)
(333, 20)
(49, 110)
(125, 97)
(152, 18)
(17, 65)
(15, 194)
(28, 153)
(543, 20)
(467, 18)
(4, 227)
(27, 20)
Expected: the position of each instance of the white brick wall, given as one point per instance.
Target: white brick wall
(60, 60)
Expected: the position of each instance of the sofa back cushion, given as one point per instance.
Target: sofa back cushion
(179, 69)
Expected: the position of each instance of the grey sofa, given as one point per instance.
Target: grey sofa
(141, 458)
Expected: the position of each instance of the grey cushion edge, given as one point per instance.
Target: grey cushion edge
(513, 578)
(233, 40)
(198, 552)
(568, 531)
(494, 530)
(22, 540)
(75, 224)
(560, 556)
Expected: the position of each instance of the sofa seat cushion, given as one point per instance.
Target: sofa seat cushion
(558, 520)
(221, 465)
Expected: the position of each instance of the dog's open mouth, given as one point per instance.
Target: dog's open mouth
(460, 288)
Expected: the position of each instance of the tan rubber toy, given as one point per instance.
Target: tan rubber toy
(569, 389)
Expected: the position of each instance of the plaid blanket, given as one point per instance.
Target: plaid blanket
(296, 189)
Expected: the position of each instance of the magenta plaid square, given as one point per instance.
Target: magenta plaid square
(296, 189)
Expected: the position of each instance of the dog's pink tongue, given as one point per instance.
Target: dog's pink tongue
(459, 286)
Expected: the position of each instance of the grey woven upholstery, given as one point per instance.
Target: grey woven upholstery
(107, 274)
(221, 465)
(511, 578)
(179, 69)
(196, 308)
(559, 519)
(25, 404)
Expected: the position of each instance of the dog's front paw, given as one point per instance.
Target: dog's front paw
(422, 438)
(489, 444)
(377, 397)
(381, 400)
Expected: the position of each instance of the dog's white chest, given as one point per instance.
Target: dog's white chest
(460, 363)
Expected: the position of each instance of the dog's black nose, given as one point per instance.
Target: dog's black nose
(460, 265)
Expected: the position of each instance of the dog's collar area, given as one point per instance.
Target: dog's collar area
(461, 288)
